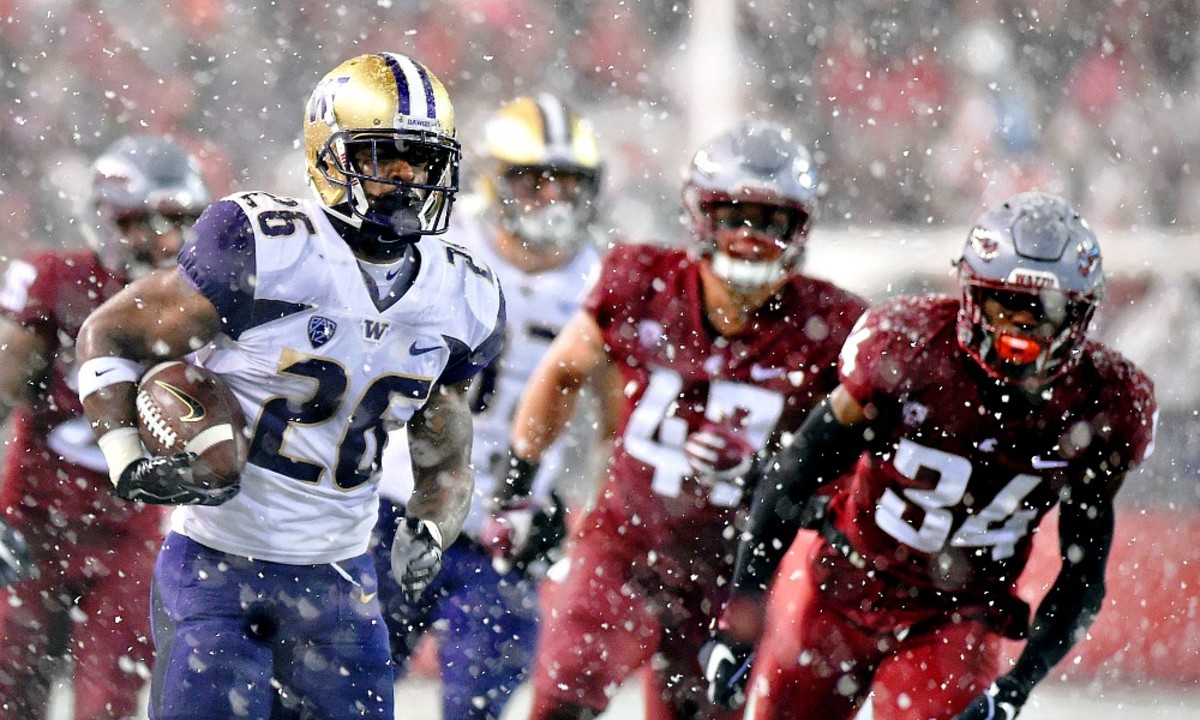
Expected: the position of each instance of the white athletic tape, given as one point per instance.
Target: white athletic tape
(208, 438)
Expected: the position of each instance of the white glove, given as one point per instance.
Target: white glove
(719, 451)
(416, 555)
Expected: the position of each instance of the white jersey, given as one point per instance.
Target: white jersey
(538, 305)
(321, 371)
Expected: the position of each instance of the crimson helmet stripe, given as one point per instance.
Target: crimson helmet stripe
(555, 122)
(402, 68)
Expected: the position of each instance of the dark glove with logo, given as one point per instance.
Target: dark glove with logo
(525, 534)
(16, 561)
(416, 555)
(726, 665)
(1002, 701)
(169, 480)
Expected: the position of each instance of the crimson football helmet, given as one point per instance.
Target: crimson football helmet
(530, 141)
(367, 111)
(755, 163)
(1036, 261)
(141, 179)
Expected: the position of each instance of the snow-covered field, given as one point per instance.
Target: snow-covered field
(419, 698)
(1052, 702)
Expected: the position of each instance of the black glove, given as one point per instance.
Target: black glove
(16, 561)
(1002, 701)
(726, 666)
(416, 555)
(525, 534)
(169, 480)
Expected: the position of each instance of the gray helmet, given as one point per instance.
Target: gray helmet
(755, 162)
(139, 176)
(1035, 253)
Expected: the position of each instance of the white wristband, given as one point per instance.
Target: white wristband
(98, 373)
(121, 447)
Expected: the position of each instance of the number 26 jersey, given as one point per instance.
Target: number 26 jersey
(321, 370)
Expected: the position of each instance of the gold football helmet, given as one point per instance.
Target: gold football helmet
(544, 171)
(367, 111)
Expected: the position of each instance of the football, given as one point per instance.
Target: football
(185, 408)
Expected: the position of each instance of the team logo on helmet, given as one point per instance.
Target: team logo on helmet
(984, 243)
(1089, 257)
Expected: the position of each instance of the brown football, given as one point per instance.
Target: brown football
(185, 408)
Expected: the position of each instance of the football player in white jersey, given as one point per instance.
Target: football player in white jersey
(334, 320)
(531, 221)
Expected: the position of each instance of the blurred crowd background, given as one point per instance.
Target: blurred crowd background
(920, 112)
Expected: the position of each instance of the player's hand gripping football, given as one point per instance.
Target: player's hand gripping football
(524, 534)
(16, 561)
(169, 480)
(1002, 701)
(719, 451)
(416, 555)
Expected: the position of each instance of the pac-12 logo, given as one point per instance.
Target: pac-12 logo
(320, 330)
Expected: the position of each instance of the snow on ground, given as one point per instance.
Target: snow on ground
(420, 700)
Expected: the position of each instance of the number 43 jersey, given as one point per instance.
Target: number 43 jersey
(961, 470)
(321, 370)
(679, 373)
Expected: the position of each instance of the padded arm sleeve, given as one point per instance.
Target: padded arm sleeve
(1085, 531)
(820, 452)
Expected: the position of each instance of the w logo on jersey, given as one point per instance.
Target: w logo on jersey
(320, 330)
(374, 330)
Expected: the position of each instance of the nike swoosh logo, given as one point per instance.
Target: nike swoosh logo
(1040, 463)
(367, 597)
(391, 274)
(195, 407)
(421, 351)
(105, 371)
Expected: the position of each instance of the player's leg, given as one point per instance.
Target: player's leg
(491, 627)
(937, 673)
(596, 631)
(674, 687)
(113, 641)
(212, 660)
(333, 659)
(812, 664)
(686, 600)
(29, 611)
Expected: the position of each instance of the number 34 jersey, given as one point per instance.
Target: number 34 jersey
(678, 373)
(321, 370)
(960, 472)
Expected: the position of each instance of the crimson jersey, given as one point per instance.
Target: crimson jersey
(677, 371)
(53, 465)
(959, 474)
